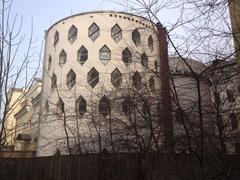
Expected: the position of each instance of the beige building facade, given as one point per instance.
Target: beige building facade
(99, 77)
(27, 119)
(15, 96)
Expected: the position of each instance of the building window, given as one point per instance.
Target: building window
(93, 32)
(116, 78)
(53, 81)
(127, 106)
(146, 108)
(62, 57)
(104, 106)
(127, 56)
(152, 83)
(82, 55)
(136, 37)
(71, 79)
(49, 63)
(144, 60)
(46, 108)
(60, 106)
(81, 105)
(105, 54)
(136, 80)
(233, 120)
(230, 95)
(93, 77)
(72, 34)
(150, 43)
(116, 33)
(56, 38)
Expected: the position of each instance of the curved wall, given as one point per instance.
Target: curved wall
(55, 126)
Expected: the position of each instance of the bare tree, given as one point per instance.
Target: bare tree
(13, 70)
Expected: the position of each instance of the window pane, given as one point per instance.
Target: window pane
(72, 34)
(56, 38)
(54, 81)
(104, 106)
(63, 57)
(105, 54)
(82, 55)
(144, 60)
(81, 105)
(116, 78)
(93, 77)
(93, 32)
(127, 106)
(71, 79)
(136, 37)
(150, 43)
(126, 56)
(116, 33)
(136, 79)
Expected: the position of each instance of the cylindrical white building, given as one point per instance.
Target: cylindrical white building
(99, 85)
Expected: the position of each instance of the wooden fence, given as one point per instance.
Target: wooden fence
(118, 167)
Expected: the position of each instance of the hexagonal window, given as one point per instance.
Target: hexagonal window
(136, 37)
(72, 34)
(152, 83)
(81, 105)
(56, 38)
(146, 108)
(93, 77)
(105, 54)
(104, 106)
(82, 55)
(71, 79)
(116, 32)
(127, 106)
(144, 60)
(93, 32)
(150, 43)
(137, 80)
(49, 63)
(60, 106)
(46, 108)
(54, 81)
(62, 57)
(116, 78)
(127, 56)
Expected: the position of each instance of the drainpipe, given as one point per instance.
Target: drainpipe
(166, 105)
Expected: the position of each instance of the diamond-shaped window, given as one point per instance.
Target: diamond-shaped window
(72, 34)
(93, 32)
(136, 37)
(63, 57)
(116, 32)
(93, 77)
(127, 56)
(144, 60)
(56, 38)
(54, 81)
(105, 54)
(81, 105)
(71, 79)
(82, 55)
(104, 106)
(127, 106)
(136, 80)
(116, 78)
